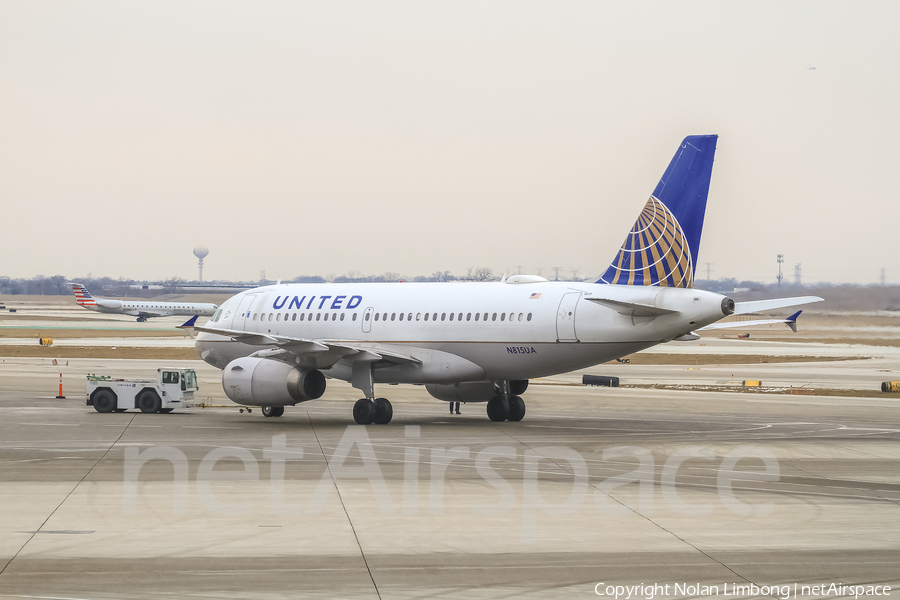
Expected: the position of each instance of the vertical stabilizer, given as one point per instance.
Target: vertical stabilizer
(663, 245)
(83, 297)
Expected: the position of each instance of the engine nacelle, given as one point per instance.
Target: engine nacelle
(266, 382)
(477, 391)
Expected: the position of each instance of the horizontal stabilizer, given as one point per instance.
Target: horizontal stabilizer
(791, 322)
(742, 308)
(633, 309)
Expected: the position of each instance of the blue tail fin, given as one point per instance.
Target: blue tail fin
(663, 245)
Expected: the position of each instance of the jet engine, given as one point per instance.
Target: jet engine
(266, 382)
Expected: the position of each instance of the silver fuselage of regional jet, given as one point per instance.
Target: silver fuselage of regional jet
(141, 310)
(458, 332)
(154, 309)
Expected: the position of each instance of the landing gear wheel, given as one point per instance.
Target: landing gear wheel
(383, 411)
(148, 401)
(364, 411)
(516, 408)
(272, 411)
(104, 401)
(498, 408)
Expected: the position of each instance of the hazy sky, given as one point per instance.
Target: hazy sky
(316, 138)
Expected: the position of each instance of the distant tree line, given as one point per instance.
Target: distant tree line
(837, 296)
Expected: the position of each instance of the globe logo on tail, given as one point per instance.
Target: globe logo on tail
(656, 252)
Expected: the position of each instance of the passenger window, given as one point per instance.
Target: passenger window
(520, 316)
(477, 316)
(485, 316)
(254, 316)
(393, 316)
(302, 316)
(468, 316)
(434, 317)
(294, 317)
(529, 316)
(318, 316)
(494, 317)
(367, 316)
(502, 316)
(343, 315)
(326, 316)
(409, 317)
(512, 316)
(418, 316)
(451, 316)
(354, 316)
(377, 315)
(278, 317)
(384, 317)
(426, 316)
(401, 316)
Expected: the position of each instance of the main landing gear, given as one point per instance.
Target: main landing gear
(503, 408)
(507, 405)
(370, 409)
(378, 411)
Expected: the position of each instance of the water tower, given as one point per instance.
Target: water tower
(200, 252)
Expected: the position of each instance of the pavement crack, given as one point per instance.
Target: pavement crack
(72, 491)
(344, 506)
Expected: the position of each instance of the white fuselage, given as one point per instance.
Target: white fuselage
(461, 331)
(153, 309)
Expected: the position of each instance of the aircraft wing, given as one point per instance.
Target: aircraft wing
(319, 349)
(742, 308)
(791, 322)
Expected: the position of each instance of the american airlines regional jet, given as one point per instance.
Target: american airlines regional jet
(141, 310)
(477, 342)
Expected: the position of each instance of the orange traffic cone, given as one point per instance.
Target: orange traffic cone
(60, 397)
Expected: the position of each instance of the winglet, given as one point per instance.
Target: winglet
(791, 321)
(188, 325)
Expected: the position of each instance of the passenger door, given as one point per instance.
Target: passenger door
(565, 318)
(242, 313)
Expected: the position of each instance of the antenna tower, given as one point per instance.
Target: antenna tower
(780, 275)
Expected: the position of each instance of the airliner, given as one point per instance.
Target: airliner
(141, 310)
(478, 342)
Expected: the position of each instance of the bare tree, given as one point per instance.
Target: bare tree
(391, 276)
(480, 274)
(442, 276)
(171, 286)
(61, 284)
